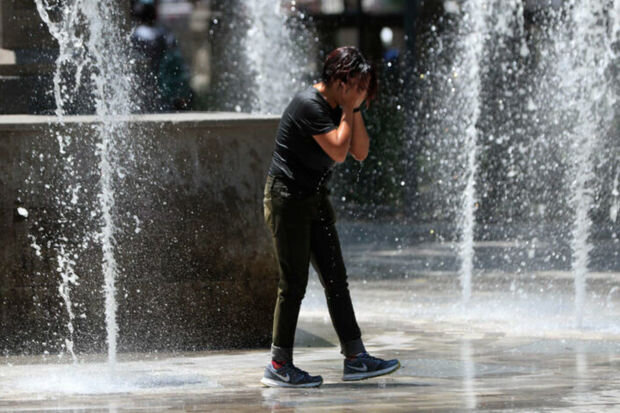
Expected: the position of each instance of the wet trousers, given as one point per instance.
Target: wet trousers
(304, 232)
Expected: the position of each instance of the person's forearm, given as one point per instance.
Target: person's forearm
(336, 143)
(345, 134)
(360, 141)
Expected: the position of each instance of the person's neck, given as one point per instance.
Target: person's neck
(329, 93)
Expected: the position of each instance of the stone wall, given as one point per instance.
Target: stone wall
(27, 54)
(27, 59)
(196, 267)
(20, 26)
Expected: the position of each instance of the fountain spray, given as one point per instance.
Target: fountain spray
(275, 46)
(472, 32)
(586, 56)
(93, 50)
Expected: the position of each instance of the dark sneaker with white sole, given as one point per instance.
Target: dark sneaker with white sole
(366, 366)
(289, 376)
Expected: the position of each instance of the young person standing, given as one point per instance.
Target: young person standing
(320, 127)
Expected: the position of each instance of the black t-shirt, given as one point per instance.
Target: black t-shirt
(298, 158)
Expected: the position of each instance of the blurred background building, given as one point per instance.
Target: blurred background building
(380, 28)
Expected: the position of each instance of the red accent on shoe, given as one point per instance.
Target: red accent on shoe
(277, 364)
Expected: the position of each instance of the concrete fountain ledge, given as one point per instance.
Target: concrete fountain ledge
(196, 269)
(9, 122)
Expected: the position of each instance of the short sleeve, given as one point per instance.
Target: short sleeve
(315, 118)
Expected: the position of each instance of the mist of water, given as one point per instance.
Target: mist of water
(68, 41)
(586, 61)
(92, 54)
(515, 111)
(569, 102)
(576, 96)
(472, 32)
(276, 46)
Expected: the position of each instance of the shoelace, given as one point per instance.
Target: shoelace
(367, 356)
(296, 370)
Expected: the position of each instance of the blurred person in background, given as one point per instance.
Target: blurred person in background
(162, 74)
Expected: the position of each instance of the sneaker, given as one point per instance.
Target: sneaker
(289, 376)
(365, 366)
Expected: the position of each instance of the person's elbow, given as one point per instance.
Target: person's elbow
(359, 156)
(339, 152)
(334, 146)
(339, 156)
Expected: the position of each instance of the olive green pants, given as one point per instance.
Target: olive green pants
(304, 231)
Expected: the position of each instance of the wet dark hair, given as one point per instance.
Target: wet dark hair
(346, 63)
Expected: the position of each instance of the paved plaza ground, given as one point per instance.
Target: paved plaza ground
(516, 347)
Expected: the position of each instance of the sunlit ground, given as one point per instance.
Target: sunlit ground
(516, 346)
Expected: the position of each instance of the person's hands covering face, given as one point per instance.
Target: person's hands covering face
(361, 97)
(352, 96)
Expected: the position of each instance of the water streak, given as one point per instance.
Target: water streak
(69, 43)
(91, 42)
(469, 374)
(584, 78)
(276, 46)
(615, 201)
(473, 34)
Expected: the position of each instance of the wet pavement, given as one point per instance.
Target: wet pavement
(516, 347)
